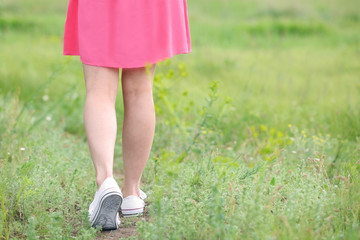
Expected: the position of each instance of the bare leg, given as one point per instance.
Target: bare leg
(139, 125)
(100, 118)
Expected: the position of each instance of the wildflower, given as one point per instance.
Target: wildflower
(22, 149)
(45, 98)
(181, 66)
(48, 118)
(293, 151)
(263, 128)
(289, 125)
(204, 132)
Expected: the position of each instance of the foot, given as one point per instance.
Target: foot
(132, 206)
(104, 209)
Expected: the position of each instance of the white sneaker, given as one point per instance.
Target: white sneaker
(142, 195)
(104, 209)
(132, 205)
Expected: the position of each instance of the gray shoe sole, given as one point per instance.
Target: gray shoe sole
(105, 217)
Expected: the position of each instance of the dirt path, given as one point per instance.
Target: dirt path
(128, 225)
(126, 229)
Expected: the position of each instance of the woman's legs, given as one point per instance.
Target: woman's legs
(100, 118)
(139, 125)
(101, 125)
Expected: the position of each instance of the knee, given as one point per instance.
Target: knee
(136, 90)
(102, 95)
(137, 81)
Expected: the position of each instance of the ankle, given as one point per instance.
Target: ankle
(100, 179)
(130, 190)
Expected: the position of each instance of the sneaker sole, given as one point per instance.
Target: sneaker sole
(132, 212)
(107, 211)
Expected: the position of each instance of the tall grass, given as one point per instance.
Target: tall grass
(273, 183)
(42, 188)
(276, 185)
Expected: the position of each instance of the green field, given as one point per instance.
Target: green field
(257, 133)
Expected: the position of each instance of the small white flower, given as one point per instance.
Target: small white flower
(8, 153)
(48, 118)
(293, 151)
(22, 149)
(45, 98)
(75, 95)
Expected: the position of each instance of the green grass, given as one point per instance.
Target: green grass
(257, 133)
(43, 192)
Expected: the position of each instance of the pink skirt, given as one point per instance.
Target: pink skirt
(126, 33)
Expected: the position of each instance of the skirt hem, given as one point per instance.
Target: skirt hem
(159, 59)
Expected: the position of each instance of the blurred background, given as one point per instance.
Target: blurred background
(280, 61)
